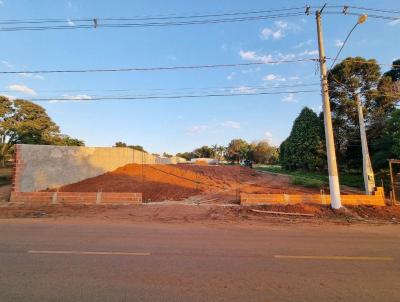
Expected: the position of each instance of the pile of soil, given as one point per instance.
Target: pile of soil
(178, 182)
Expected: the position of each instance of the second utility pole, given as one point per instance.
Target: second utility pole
(334, 187)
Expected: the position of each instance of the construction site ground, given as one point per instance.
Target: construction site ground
(190, 193)
(217, 184)
(184, 212)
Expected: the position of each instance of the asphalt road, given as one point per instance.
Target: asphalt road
(76, 260)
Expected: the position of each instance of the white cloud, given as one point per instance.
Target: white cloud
(278, 30)
(70, 22)
(7, 64)
(72, 98)
(290, 98)
(22, 88)
(339, 43)
(394, 22)
(277, 34)
(265, 58)
(248, 55)
(294, 78)
(231, 124)
(287, 56)
(267, 33)
(274, 77)
(281, 24)
(268, 134)
(242, 89)
(198, 128)
(317, 109)
(304, 43)
(10, 97)
(30, 75)
(78, 97)
(231, 76)
(308, 52)
(253, 56)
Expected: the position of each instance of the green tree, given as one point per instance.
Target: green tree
(394, 72)
(349, 78)
(237, 150)
(165, 154)
(65, 140)
(304, 148)
(24, 122)
(120, 145)
(134, 147)
(6, 142)
(394, 131)
(388, 145)
(203, 152)
(263, 153)
(221, 152)
(30, 124)
(186, 155)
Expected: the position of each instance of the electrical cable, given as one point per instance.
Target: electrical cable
(154, 97)
(157, 68)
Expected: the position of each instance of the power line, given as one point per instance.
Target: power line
(149, 24)
(368, 62)
(183, 67)
(190, 16)
(169, 90)
(375, 9)
(343, 44)
(154, 97)
(179, 20)
(158, 68)
(392, 18)
(146, 18)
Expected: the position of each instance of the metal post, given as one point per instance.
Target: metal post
(392, 181)
(368, 173)
(330, 144)
(142, 168)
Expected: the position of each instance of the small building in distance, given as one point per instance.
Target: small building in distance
(204, 161)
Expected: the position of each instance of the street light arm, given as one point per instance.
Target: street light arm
(341, 48)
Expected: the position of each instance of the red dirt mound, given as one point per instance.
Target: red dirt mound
(177, 182)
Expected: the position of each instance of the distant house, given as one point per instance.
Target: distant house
(204, 161)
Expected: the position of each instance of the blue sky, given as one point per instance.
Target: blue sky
(180, 124)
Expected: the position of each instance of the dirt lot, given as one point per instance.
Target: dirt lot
(204, 213)
(179, 182)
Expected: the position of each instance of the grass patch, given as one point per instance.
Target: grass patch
(314, 179)
(308, 182)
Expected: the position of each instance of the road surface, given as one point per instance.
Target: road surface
(87, 260)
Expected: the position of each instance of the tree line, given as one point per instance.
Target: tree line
(24, 122)
(237, 150)
(379, 93)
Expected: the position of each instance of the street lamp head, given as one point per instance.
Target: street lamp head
(362, 19)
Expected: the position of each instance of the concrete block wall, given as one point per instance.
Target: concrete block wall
(76, 197)
(41, 167)
(378, 199)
